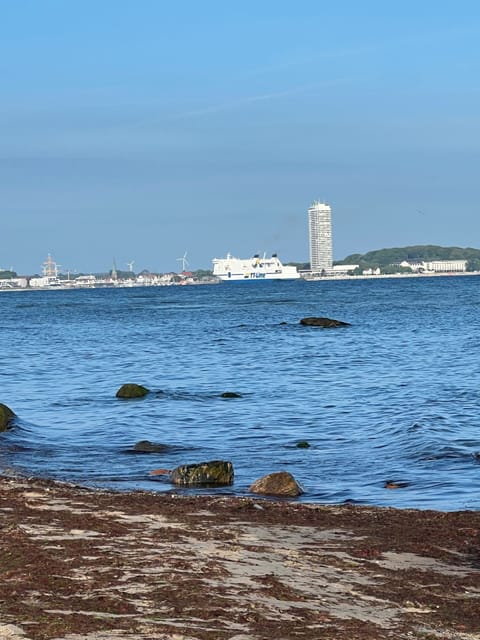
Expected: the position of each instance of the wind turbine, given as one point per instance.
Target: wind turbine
(184, 262)
(130, 265)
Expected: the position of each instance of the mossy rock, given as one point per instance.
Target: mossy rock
(213, 473)
(6, 417)
(230, 394)
(132, 391)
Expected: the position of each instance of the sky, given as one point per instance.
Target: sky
(138, 130)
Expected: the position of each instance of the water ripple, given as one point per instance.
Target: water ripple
(395, 397)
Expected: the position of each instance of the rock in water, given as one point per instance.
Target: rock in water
(230, 394)
(303, 444)
(215, 472)
(145, 446)
(325, 323)
(393, 484)
(6, 416)
(132, 391)
(281, 483)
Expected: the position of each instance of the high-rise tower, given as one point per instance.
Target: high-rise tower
(320, 232)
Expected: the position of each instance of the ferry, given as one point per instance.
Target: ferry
(258, 268)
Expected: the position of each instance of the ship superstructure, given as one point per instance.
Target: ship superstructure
(253, 269)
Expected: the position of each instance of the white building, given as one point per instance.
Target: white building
(13, 283)
(437, 266)
(320, 234)
(343, 269)
(446, 266)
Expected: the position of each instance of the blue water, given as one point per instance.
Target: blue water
(396, 396)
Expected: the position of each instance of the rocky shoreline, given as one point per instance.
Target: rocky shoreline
(80, 564)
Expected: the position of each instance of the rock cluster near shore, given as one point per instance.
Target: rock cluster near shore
(213, 473)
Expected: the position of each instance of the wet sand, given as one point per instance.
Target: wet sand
(89, 564)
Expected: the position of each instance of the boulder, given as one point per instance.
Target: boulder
(215, 472)
(325, 323)
(281, 483)
(132, 391)
(6, 416)
(230, 394)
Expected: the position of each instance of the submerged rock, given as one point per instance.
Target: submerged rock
(132, 391)
(6, 417)
(325, 323)
(230, 394)
(145, 446)
(394, 484)
(281, 483)
(215, 472)
(160, 472)
(303, 444)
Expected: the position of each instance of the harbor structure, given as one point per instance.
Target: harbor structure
(320, 235)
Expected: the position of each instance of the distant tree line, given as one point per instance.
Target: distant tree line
(387, 259)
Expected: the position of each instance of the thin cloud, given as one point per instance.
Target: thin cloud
(275, 95)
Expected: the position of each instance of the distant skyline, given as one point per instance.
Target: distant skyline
(141, 129)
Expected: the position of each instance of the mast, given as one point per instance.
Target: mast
(50, 267)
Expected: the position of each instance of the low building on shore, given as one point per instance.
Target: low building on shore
(436, 266)
(343, 269)
(13, 283)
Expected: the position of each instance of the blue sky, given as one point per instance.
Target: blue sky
(141, 129)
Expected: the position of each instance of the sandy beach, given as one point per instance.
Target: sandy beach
(92, 564)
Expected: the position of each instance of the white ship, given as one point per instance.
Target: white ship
(257, 268)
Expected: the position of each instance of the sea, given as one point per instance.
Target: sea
(392, 400)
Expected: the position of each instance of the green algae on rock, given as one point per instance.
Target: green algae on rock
(214, 472)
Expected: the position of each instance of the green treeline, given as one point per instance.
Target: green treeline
(419, 253)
